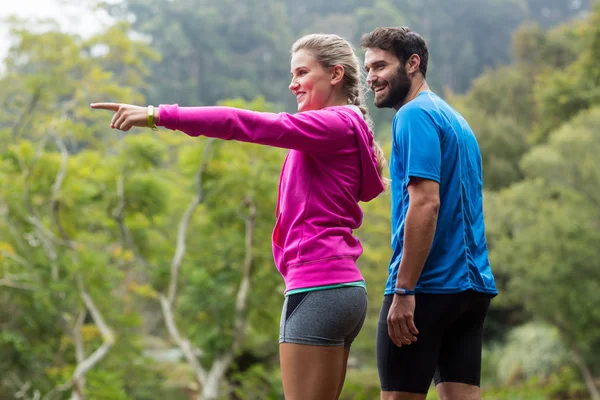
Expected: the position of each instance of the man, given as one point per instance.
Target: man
(440, 282)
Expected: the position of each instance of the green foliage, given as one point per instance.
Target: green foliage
(361, 384)
(544, 234)
(223, 49)
(502, 141)
(563, 93)
(532, 350)
(257, 383)
(86, 207)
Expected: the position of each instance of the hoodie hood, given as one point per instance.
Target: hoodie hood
(371, 184)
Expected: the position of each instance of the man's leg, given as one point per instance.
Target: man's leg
(406, 372)
(402, 396)
(455, 391)
(459, 366)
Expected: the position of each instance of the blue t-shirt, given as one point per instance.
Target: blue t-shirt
(433, 141)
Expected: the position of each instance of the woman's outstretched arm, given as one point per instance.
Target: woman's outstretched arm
(323, 130)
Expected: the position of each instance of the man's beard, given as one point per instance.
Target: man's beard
(398, 88)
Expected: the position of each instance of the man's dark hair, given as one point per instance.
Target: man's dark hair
(400, 41)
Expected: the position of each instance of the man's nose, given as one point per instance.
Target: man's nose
(370, 78)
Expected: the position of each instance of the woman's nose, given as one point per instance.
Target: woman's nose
(293, 85)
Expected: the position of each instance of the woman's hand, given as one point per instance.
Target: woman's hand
(126, 115)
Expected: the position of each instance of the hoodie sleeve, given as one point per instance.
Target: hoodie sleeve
(320, 131)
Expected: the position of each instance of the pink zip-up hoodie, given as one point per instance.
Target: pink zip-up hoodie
(330, 167)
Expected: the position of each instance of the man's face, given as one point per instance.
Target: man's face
(387, 78)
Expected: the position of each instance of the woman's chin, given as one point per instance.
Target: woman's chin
(306, 107)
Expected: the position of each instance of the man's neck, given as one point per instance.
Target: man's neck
(419, 85)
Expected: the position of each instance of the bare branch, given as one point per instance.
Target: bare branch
(93, 359)
(47, 238)
(578, 356)
(185, 346)
(210, 381)
(185, 220)
(241, 303)
(23, 390)
(44, 235)
(222, 363)
(588, 377)
(60, 178)
(167, 303)
(107, 336)
(79, 385)
(16, 285)
(27, 113)
(29, 172)
(119, 217)
(79, 351)
(8, 221)
(18, 259)
(217, 371)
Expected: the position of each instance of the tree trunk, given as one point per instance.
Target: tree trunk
(210, 391)
(587, 374)
(579, 359)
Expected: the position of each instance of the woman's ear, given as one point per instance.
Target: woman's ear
(337, 74)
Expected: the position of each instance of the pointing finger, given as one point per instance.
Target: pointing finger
(106, 106)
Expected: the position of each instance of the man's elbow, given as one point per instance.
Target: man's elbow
(429, 204)
(433, 205)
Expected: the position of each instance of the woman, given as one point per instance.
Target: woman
(333, 163)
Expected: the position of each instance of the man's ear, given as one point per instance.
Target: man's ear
(337, 74)
(413, 64)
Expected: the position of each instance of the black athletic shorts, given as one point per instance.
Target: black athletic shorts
(448, 346)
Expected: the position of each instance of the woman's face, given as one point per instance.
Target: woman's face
(311, 83)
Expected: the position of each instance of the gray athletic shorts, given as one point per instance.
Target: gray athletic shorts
(330, 317)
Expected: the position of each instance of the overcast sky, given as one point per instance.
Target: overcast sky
(72, 18)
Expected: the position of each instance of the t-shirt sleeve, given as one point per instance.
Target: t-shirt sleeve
(421, 147)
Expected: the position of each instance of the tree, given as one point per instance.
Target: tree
(205, 297)
(214, 50)
(562, 94)
(58, 332)
(545, 234)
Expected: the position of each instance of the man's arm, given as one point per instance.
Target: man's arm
(419, 230)
(421, 152)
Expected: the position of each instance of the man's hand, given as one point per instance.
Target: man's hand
(126, 115)
(401, 324)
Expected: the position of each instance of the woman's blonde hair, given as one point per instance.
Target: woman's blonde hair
(331, 50)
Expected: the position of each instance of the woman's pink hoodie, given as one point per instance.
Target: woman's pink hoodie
(330, 167)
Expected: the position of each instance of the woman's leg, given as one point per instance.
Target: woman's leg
(344, 369)
(316, 332)
(312, 372)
